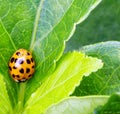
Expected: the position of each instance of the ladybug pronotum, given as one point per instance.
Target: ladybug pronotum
(21, 65)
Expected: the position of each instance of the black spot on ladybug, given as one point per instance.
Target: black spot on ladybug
(27, 70)
(17, 76)
(21, 70)
(18, 53)
(28, 53)
(16, 60)
(28, 61)
(10, 68)
(14, 67)
(32, 60)
(20, 61)
(13, 75)
(33, 66)
(30, 75)
(12, 59)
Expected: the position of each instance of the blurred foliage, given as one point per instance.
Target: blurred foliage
(103, 24)
(111, 107)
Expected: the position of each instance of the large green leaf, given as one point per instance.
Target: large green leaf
(13, 35)
(68, 74)
(54, 23)
(106, 80)
(5, 105)
(98, 27)
(41, 26)
(78, 105)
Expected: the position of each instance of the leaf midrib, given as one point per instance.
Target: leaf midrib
(53, 88)
(36, 24)
(37, 20)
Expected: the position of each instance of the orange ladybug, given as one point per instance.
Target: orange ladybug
(21, 65)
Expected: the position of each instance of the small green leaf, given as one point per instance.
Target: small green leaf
(111, 107)
(107, 80)
(68, 74)
(5, 105)
(78, 105)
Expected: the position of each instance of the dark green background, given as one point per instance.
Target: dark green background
(103, 24)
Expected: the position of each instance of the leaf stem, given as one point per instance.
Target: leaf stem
(19, 107)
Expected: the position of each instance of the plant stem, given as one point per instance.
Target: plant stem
(19, 107)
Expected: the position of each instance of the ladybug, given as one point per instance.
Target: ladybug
(21, 65)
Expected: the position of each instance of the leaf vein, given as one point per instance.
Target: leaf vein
(36, 24)
(8, 35)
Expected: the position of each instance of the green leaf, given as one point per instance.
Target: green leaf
(41, 26)
(107, 80)
(6, 48)
(98, 27)
(5, 105)
(13, 35)
(54, 23)
(78, 105)
(112, 106)
(87, 105)
(68, 74)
